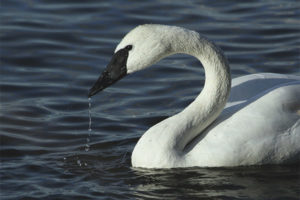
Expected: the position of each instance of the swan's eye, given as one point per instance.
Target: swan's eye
(128, 47)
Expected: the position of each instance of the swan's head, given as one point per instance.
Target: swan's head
(140, 48)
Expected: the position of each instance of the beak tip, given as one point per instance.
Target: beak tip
(94, 90)
(90, 94)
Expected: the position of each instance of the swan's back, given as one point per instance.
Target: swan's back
(248, 86)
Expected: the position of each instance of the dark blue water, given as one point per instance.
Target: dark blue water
(52, 51)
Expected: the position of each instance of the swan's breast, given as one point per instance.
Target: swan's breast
(157, 147)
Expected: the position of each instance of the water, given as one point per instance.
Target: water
(53, 51)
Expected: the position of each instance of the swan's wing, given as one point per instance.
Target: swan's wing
(263, 129)
(246, 87)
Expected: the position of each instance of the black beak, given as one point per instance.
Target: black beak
(115, 70)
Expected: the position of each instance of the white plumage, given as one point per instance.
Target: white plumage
(260, 124)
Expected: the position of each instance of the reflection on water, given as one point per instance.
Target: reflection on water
(224, 183)
(53, 51)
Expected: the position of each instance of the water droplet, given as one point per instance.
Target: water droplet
(87, 147)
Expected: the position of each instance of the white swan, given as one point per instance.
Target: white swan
(259, 125)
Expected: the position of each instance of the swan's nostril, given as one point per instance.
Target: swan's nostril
(128, 47)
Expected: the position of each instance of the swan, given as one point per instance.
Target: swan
(253, 121)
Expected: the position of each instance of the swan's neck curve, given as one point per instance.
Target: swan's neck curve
(213, 97)
(163, 142)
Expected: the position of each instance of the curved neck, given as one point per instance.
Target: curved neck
(213, 97)
(163, 143)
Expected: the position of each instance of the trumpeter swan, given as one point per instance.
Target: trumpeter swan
(257, 123)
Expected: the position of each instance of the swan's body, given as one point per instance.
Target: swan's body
(259, 125)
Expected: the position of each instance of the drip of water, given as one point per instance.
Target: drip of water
(90, 115)
(79, 163)
(87, 145)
